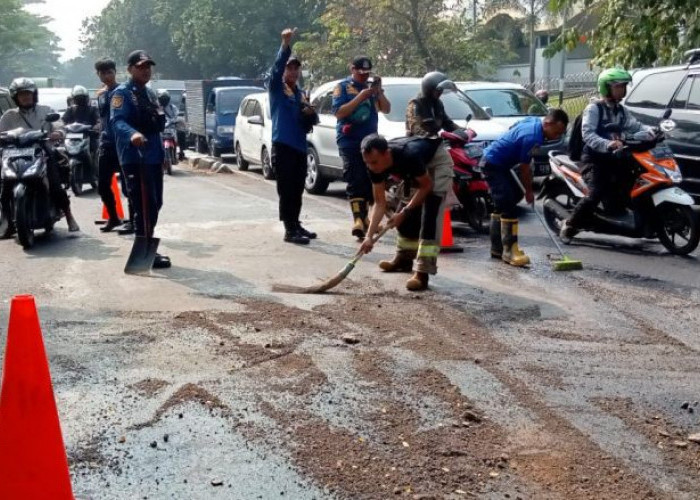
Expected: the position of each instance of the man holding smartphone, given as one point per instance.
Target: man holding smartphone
(357, 101)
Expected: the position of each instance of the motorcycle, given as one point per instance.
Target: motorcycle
(656, 207)
(169, 147)
(25, 157)
(469, 185)
(76, 148)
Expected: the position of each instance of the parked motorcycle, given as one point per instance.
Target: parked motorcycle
(656, 208)
(469, 185)
(170, 147)
(24, 170)
(76, 148)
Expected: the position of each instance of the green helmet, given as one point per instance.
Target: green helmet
(609, 76)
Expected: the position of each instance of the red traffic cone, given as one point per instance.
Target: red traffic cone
(447, 244)
(33, 460)
(118, 198)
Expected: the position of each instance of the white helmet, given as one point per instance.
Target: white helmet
(79, 90)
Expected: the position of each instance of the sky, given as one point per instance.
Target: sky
(67, 20)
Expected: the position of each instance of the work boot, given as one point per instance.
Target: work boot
(495, 234)
(293, 235)
(304, 232)
(7, 228)
(567, 232)
(359, 215)
(110, 225)
(127, 228)
(73, 226)
(418, 282)
(401, 263)
(511, 252)
(161, 262)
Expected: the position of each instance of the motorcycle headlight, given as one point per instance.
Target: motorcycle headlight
(224, 130)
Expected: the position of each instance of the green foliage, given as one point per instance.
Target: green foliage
(27, 47)
(637, 33)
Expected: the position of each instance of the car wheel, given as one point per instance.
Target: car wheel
(314, 183)
(212, 149)
(240, 161)
(267, 170)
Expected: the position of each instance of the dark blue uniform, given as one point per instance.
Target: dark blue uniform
(107, 158)
(135, 109)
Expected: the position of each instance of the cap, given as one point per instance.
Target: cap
(362, 63)
(294, 59)
(139, 57)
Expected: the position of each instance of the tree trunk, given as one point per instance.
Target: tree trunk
(420, 42)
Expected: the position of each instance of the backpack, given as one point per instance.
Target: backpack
(576, 139)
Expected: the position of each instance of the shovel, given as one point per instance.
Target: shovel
(143, 253)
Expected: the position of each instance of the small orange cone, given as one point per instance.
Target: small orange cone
(447, 244)
(33, 460)
(117, 198)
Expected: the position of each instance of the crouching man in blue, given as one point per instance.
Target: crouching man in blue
(292, 118)
(137, 122)
(511, 151)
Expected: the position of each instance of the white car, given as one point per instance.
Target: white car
(254, 134)
(324, 163)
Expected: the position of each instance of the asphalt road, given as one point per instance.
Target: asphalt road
(497, 383)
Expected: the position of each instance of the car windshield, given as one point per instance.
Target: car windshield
(230, 100)
(508, 102)
(457, 106)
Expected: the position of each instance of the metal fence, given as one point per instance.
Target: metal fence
(578, 89)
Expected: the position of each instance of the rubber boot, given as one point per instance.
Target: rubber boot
(359, 214)
(418, 282)
(495, 234)
(401, 263)
(511, 252)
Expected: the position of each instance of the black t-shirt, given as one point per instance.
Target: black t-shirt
(410, 155)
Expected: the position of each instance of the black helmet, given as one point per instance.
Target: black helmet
(435, 81)
(21, 84)
(163, 97)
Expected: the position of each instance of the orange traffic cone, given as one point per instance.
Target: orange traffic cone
(33, 460)
(447, 244)
(117, 198)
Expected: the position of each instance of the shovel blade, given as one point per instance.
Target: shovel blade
(142, 256)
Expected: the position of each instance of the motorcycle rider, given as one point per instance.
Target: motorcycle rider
(515, 150)
(30, 115)
(171, 111)
(82, 111)
(607, 174)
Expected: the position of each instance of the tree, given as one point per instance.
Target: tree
(634, 33)
(27, 47)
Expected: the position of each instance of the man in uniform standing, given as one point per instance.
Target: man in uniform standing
(356, 103)
(107, 158)
(289, 109)
(138, 121)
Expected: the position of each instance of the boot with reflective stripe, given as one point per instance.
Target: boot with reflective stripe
(428, 251)
(401, 263)
(511, 252)
(495, 233)
(418, 282)
(359, 214)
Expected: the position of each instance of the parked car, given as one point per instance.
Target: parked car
(508, 103)
(678, 88)
(254, 134)
(5, 101)
(324, 163)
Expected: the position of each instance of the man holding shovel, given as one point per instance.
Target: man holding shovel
(137, 121)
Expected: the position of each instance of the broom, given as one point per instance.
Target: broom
(566, 263)
(333, 281)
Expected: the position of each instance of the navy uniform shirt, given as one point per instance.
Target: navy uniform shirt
(363, 121)
(285, 106)
(129, 112)
(517, 145)
(104, 97)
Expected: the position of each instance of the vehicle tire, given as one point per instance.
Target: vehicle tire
(266, 162)
(23, 221)
(76, 181)
(314, 183)
(558, 194)
(240, 161)
(678, 228)
(201, 145)
(212, 149)
(479, 213)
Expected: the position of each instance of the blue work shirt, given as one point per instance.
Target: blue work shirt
(104, 99)
(285, 106)
(124, 119)
(363, 121)
(517, 145)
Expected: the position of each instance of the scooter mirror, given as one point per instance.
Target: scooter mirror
(667, 125)
(469, 117)
(667, 114)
